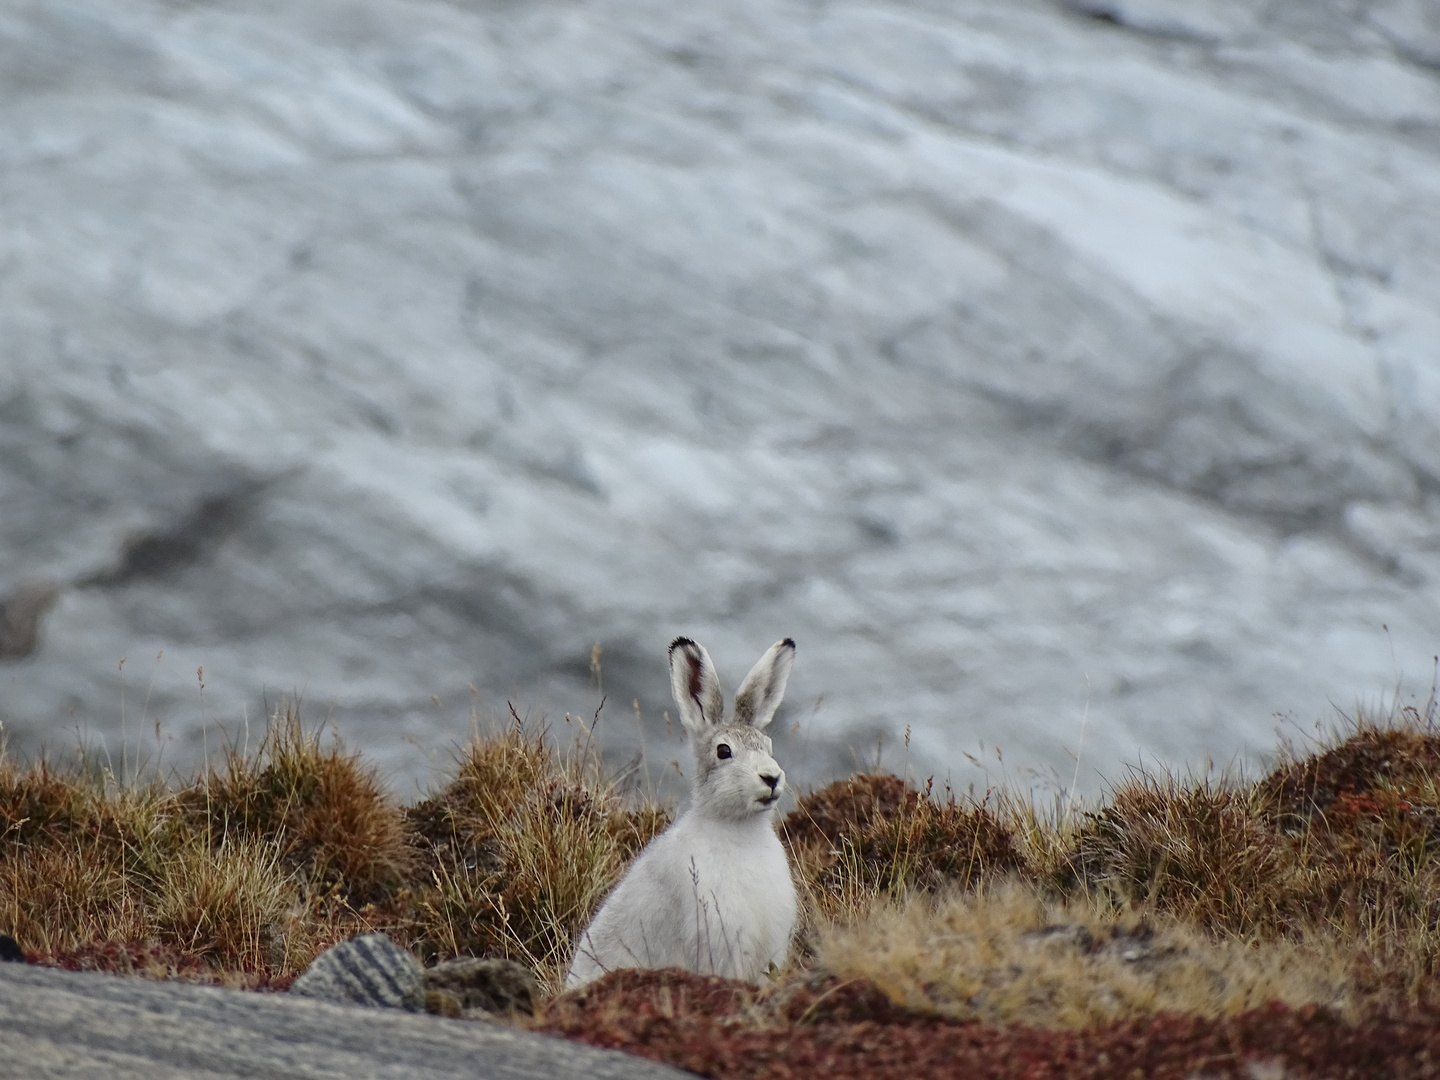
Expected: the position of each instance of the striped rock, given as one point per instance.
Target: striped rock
(366, 970)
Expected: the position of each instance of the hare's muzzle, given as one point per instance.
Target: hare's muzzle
(772, 781)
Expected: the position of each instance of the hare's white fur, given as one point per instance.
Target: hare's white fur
(713, 892)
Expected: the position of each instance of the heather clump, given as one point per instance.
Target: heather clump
(1376, 764)
(873, 836)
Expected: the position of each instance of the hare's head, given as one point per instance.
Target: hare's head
(735, 776)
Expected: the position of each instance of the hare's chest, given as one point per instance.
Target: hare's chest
(742, 882)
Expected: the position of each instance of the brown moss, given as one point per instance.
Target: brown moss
(156, 960)
(636, 995)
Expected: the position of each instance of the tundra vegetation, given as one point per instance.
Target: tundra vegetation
(1288, 921)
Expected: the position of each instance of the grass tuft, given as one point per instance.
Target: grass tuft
(1202, 851)
(330, 819)
(873, 837)
(228, 903)
(521, 848)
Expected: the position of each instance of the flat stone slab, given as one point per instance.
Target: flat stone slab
(79, 1024)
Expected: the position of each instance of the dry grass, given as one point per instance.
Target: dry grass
(332, 823)
(1338, 846)
(1203, 851)
(521, 848)
(1318, 883)
(228, 901)
(871, 838)
(260, 863)
(1009, 954)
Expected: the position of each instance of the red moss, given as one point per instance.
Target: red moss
(153, 960)
(1371, 760)
(730, 1030)
(666, 992)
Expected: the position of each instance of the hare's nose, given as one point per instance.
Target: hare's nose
(771, 781)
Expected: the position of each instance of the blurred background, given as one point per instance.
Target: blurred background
(1063, 376)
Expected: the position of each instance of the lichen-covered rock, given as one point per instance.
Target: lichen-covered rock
(485, 986)
(367, 970)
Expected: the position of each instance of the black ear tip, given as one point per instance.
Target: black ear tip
(788, 643)
(680, 643)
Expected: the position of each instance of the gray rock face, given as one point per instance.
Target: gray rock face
(1034, 365)
(368, 969)
(63, 1024)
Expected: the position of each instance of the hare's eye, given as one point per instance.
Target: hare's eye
(722, 751)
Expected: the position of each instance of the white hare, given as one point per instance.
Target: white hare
(713, 892)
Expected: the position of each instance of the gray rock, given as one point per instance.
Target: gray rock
(58, 1025)
(1030, 363)
(369, 969)
(489, 985)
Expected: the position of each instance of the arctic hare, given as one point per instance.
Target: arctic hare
(713, 892)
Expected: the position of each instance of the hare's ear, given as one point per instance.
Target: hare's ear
(759, 695)
(695, 685)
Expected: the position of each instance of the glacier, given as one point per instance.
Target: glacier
(1063, 376)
